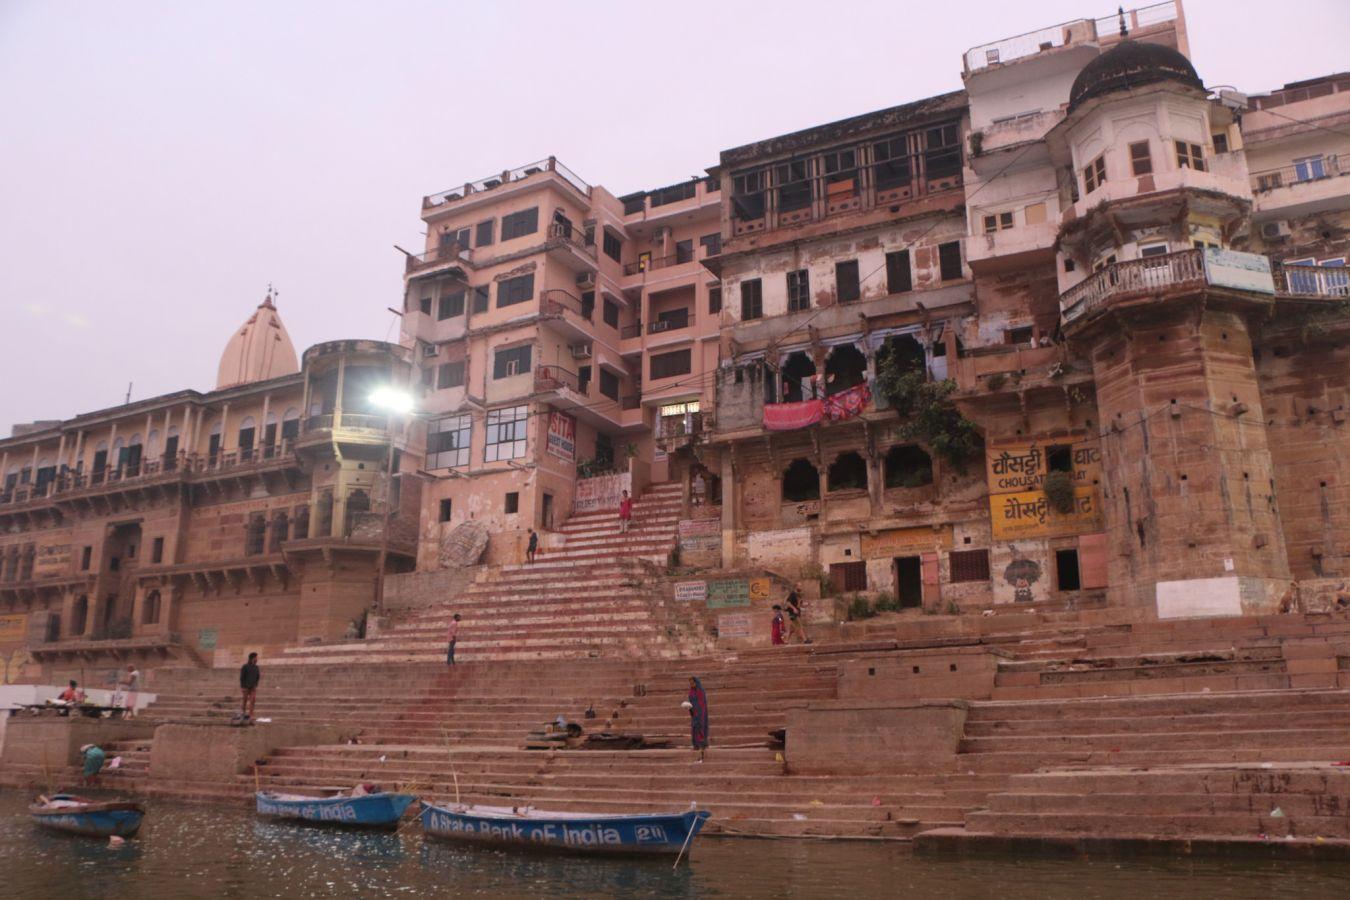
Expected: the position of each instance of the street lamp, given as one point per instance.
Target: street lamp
(395, 402)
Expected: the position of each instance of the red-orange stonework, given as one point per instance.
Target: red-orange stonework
(1119, 618)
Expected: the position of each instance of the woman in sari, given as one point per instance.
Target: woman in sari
(698, 717)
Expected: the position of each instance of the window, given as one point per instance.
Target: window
(511, 361)
(1190, 156)
(450, 375)
(1147, 250)
(458, 239)
(969, 565)
(898, 279)
(942, 153)
(850, 576)
(668, 365)
(612, 246)
(611, 313)
(747, 199)
(157, 550)
(483, 233)
(1094, 174)
(448, 442)
(505, 433)
(684, 251)
(519, 224)
(908, 466)
(480, 299)
(794, 189)
(512, 502)
(583, 379)
(752, 299)
(255, 534)
(588, 305)
(1141, 162)
(949, 260)
(801, 482)
(847, 473)
(1310, 168)
(515, 290)
(892, 166)
(609, 384)
(86, 558)
(450, 305)
(799, 290)
(1066, 570)
(424, 304)
(711, 243)
(998, 222)
(1220, 142)
(1059, 458)
(447, 509)
(846, 281)
(715, 299)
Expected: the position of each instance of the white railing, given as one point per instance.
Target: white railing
(1033, 42)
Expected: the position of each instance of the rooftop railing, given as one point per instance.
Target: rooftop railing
(1033, 42)
(520, 173)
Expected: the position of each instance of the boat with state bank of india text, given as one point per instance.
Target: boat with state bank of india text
(375, 810)
(581, 832)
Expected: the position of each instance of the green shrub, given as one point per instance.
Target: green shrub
(1058, 489)
(859, 608)
(886, 603)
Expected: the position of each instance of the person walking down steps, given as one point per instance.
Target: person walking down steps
(625, 512)
(452, 635)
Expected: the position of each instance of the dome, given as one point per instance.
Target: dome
(1131, 64)
(260, 350)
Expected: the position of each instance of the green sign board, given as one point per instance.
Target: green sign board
(722, 594)
(206, 639)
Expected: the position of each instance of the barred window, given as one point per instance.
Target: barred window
(799, 290)
(969, 565)
(752, 299)
(448, 442)
(505, 433)
(849, 576)
(450, 375)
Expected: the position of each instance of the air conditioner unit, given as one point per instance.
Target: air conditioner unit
(430, 350)
(586, 281)
(581, 351)
(1274, 231)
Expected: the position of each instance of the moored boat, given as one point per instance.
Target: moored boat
(377, 810)
(92, 818)
(581, 832)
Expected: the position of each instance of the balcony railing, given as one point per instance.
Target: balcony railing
(346, 420)
(1171, 270)
(669, 323)
(572, 235)
(557, 302)
(651, 263)
(1312, 281)
(444, 253)
(630, 401)
(492, 182)
(631, 331)
(684, 425)
(552, 378)
(1080, 30)
(1304, 172)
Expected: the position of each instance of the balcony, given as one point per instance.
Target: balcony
(556, 378)
(653, 263)
(571, 245)
(1135, 277)
(574, 316)
(446, 256)
(672, 200)
(672, 320)
(1307, 187)
(1329, 282)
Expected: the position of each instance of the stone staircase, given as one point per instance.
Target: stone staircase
(585, 597)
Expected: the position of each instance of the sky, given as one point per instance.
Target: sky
(162, 163)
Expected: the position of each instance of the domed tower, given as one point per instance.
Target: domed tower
(258, 351)
(1152, 296)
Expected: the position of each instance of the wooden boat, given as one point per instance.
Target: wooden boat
(582, 832)
(379, 810)
(79, 815)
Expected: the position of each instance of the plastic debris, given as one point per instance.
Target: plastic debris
(800, 817)
(876, 801)
(1277, 813)
(383, 758)
(816, 803)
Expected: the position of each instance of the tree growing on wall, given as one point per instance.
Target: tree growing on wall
(930, 417)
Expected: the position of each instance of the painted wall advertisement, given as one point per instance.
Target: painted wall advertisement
(1018, 505)
(13, 630)
(52, 561)
(1029, 514)
(601, 492)
(737, 592)
(700, 534)
(893, 542)
(686, 591)
(1024, 467)
(562, 435)
(734, 625)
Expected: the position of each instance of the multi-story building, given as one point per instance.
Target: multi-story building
(250, 517)
(559, 330)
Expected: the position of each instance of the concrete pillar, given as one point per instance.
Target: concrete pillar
(224, 429)
(337, 399)
(874, 484)
(261, 436)
(60, 461)
(731, 503)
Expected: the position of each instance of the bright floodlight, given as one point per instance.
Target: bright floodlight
(392, 399)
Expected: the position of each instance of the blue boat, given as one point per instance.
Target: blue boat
(581, 832)
(379, 810)
(92, 818)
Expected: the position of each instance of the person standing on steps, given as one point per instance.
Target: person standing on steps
(697, 704)
(452, 634)
(131, 688)
(249, 676)
(532, 546)
(776, 627)
(625, 512)
(793, 604)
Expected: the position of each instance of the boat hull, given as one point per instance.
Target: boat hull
(119, 818)
(644, 834)
(371, 811)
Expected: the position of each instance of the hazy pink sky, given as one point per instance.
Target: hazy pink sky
(161, 162)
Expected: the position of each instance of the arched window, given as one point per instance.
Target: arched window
(358, 503)
(908, 466)
(129, 460)
(801, 481)
(845, 367)
(213, 443)
(281, 531)
(248, 432)
(797, 374)
(152, 443)
(171, 450)
(150, 608)
(324, 523)
(848, 472)
(100, 462)
(269, 435)
(907, 352)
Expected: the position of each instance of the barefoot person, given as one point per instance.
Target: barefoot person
(625, 512)
(249, 676)
(697, 703)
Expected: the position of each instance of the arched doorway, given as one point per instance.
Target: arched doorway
(845, 367)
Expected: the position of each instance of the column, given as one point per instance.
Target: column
(337, 400)
(731, 502)
(260, 438)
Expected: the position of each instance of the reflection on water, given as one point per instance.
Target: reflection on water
(201, 851)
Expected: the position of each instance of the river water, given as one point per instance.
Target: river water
(204, 851)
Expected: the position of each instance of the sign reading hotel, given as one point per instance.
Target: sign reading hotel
(1024, 467)
(1029, 514)
(562, 435)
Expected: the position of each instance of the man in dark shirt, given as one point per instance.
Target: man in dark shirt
(793, 605)
(249, 676)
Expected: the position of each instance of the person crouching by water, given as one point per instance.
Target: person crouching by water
(93, 764)
(452, 635)
(249, 676)
(697, 704)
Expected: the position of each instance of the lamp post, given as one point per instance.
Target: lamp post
(394, 402)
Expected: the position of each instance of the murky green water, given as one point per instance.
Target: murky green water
(201, 851)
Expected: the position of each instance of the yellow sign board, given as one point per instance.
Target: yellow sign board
(904, 541)
(1023, 467)
(13, 630)
(1028, 514)
(759, 588)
